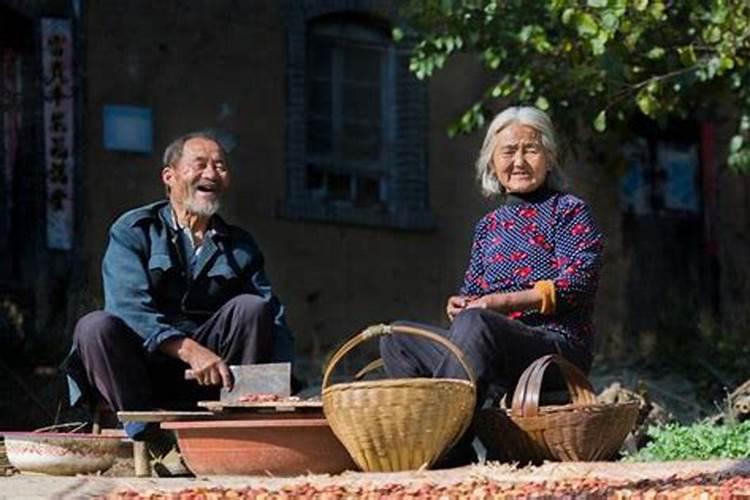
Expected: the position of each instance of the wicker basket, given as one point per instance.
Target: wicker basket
(583, 430)
(398, 424)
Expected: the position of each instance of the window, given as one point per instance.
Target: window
(357, 121)
(347, 90)
(662, 174)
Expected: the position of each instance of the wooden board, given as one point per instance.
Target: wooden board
(162, 415)
(262, 406)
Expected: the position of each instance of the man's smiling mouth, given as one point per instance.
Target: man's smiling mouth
(207, 189)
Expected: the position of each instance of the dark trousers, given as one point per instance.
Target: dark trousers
(497, 348)
(116, 365)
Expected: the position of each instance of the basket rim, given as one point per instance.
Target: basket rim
(567, 408)
(397, 382)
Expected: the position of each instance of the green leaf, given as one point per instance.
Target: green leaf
(687, 55)
(656, 9)
(542, 103)
(397, 34)
(525, 33)
(599, 42)
(713, 67)
(655, 53)
(610, 21)
(736, 143)
(640, 5)
(586, 25)
(712, 34)
(726, 63)
(567, 15)
(600, 122)
(646, 103)
(597, 3)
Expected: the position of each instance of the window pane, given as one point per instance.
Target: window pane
(368, 192)
(339, 186)
(361, 64)
(314, 179)
(319, 58)
(345, 91)
(361, 102)
(319, 98)
(319, 136)
(360, 141)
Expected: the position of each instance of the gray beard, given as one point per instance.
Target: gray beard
(202, 208)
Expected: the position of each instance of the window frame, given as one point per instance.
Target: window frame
(405, 164)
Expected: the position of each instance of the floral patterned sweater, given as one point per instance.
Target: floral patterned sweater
(544, 235)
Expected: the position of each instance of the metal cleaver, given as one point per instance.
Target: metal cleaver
(262, 378)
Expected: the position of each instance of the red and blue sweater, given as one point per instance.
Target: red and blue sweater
(544, 235)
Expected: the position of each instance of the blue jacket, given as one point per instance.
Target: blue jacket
(147, 285)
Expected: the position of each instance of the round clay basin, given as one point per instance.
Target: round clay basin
(62, 454)
(276, 446)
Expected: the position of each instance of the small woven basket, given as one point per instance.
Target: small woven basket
(398, 424)
(583, 430)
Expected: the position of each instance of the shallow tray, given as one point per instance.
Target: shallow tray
(162, 416)
(262, 406)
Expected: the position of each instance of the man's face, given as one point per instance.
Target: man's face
(198, 179)
(519, 160)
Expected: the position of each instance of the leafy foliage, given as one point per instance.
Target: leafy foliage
(696, 442)
(598, 60)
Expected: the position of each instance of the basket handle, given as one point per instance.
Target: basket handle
(381, 330)
(526, 395)
(371, 366)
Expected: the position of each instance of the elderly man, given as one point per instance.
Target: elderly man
(182, 290)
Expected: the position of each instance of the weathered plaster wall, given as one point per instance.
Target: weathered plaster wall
(221, 64)
(734, 254)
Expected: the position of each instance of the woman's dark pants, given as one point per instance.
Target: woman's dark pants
(126, 377)
(499, 349)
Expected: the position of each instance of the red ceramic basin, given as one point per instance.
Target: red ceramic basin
(277, 446)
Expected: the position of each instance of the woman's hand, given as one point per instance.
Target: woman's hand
(493, 301)
(507, 302)
(456, 304)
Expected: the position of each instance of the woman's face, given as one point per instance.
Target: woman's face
(519, 160)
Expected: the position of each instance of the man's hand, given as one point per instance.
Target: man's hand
(205, 366)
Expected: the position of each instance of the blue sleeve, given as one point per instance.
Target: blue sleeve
(578, 252)
(475, 283)
(283, 339)
(127, 292)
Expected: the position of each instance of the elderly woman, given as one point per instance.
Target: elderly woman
(531, 280)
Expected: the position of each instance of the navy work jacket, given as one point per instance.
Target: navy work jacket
(149, 286)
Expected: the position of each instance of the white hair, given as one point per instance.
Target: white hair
(523, 115)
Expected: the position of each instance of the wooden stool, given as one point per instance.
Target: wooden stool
(102, 419)
(141, 459)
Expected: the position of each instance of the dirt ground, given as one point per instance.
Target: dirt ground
(586, 479)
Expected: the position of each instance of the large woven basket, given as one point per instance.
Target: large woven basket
(398, 424)
(583, 430)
